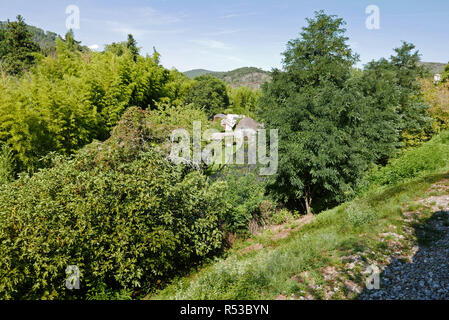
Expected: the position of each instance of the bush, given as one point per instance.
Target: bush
(282, 216)
(243, 195)
(118, 210)
(413, 162)
(359, 215)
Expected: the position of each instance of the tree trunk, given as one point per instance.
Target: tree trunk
(308, 201)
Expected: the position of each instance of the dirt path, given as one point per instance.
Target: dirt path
(426, 275)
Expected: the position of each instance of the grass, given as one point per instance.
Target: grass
(312, 262)
(351, 228)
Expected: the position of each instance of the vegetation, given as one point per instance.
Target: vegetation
(242, 77)
(209, 94)
(333, 125)
(445, 76)
(17, 49)
(86, 178)
(433, 67)
(295, 267)
(118, 210)
(437, 96)
(72, 98)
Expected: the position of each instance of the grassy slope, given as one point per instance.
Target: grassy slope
(293, 267)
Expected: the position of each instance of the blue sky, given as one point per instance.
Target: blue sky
(227, 34)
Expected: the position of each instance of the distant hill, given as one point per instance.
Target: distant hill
(242, 77)
(197, 72)
(45, 39)
(434, 67)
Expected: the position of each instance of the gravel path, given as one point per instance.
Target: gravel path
(426, 277)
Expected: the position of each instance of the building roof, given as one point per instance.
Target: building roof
(248, 123)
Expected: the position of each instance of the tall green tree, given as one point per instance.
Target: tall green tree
(2, 43)
(131, 44)
(319, 111)
(209, 94)
(18, 47)
(394, 84)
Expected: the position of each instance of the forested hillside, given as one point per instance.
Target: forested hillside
(45, 39)
(242, 77)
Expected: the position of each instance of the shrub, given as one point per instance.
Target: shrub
(121, 212)
(243, 195)
(359, 215)
(282, 216)
(413, 162)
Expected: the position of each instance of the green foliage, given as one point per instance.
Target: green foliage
(17, 48)
(177, 87)
(6, 165)
(414, 162)
(209, 94)
(244, 193)
(359, 214)
(333, 121)
(131, 44)
(394, 85)
(242, 77)
(437, 96)
(243, 101)
(282, 216)
(445, 75)
(45, 39)
(118, 210)
(72, 98)
(319, 111)
(350, 229)
(197, 72)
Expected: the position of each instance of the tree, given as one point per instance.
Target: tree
(18, 47)
(395, 84)
(131, 44)
(2, 43)
(319, 111)
(208, 93)
(244, 100)
(72, 98)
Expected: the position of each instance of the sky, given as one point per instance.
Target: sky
(228, 34)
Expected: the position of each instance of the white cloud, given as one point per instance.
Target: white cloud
(222, 32)
(237, 15)
(211, 44)
(155, 17)
(138, 32)
(94, 47)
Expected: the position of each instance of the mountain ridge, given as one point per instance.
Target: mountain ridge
(247, 76)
